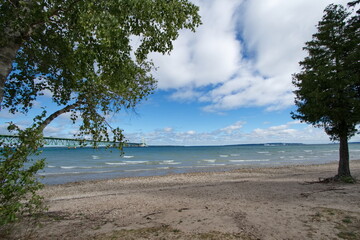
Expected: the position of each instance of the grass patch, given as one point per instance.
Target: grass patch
(348, 235)
(347, 223)
(348, 179)
(166, 232)
(347, 220)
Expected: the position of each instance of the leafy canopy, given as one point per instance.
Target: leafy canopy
(328, 87)
(82, 52)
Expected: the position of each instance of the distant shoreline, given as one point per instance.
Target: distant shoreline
(227, 145)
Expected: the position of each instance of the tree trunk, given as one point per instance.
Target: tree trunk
(7, 57)
(344, 165)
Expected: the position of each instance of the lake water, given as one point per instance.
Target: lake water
(70, 165)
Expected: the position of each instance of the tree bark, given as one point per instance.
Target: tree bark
(49, 119)
(7, 56)
(344, 164)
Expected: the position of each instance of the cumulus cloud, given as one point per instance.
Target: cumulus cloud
(243, 55)
(234, 127)
(205, 57)
(234, 134)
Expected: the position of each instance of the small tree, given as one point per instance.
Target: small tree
(18, 182)
(328, 87)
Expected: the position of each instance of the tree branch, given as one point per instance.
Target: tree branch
(49, 119)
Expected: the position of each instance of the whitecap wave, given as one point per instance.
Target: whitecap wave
(136, 162)
(72, 173)
(170, 162)
(79, 167)
(68, 167)
(115, 163)
(235, 155)
(58, 173)
(163, 168)
(249, 160)
(209, 160)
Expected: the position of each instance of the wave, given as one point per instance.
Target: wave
(264, 152)
(330, 151)
(224, 156)
(209, 160)
(235, 155)
(255, 160)
(169, 162)
(138, 170)
(95, 157)
(72, 173)
(165, 162)
(58, 173)
(79, 167)
(115, 163)
(127, 157)
(136, 162)
(68, 167)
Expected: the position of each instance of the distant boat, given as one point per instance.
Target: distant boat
(143, 144)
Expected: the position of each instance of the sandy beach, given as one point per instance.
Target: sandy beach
(259, 203)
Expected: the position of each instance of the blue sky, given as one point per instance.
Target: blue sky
(228, 83)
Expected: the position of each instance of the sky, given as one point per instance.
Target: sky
(228, 83)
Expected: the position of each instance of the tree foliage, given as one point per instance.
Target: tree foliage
(90, 56)
(328, 87)
(18, 182)
(81, 52)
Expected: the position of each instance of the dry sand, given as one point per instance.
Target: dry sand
(271, 203)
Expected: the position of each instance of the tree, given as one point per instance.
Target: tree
(328, 87)
(81, 51)
(90, 55)
(18, 182)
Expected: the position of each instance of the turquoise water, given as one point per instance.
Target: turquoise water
(70, 165)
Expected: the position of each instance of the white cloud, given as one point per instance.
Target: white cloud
(291, 132)
(244, 53)
(234, 127)
(4, 114)
(206, 57)
(3, 129)
(191, 132)
(168, 129)
(51, 130)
